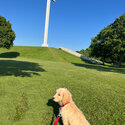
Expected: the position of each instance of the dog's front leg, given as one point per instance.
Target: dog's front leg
(65, 121)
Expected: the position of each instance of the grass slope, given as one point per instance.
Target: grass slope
(42, 53)
(28, 82)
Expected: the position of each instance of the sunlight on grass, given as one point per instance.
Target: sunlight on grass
(99, 91)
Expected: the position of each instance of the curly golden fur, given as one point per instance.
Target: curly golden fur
(71, 115)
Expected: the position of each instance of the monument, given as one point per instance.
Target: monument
(47, 23)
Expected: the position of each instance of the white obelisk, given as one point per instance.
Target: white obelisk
(46, 23)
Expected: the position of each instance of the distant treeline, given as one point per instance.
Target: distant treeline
(109, 45)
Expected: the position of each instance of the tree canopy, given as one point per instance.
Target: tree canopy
(7, 35)
(110, 42)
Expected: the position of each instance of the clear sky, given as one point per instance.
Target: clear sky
(72, 22)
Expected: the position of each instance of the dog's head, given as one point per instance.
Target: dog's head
(62, 95)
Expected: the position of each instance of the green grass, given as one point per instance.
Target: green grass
(45, 54)
(29, 79)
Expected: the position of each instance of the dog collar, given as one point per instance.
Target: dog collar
(64, 105)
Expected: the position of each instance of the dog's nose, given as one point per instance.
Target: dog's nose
(53, 97)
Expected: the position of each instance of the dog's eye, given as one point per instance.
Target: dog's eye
(58, 94)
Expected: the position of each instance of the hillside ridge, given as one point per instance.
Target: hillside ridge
(42, 53)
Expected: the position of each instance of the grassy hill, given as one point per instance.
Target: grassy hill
(42, 53)
(29, 77)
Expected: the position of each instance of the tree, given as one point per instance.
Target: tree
(101, 45)
(7, 35)
(110, 42)
(82, 51)
(85, 52)
(118, 40)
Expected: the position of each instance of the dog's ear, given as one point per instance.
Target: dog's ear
(66, 97)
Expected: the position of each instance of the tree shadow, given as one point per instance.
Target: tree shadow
(19, 68)
(102, 68)
(9, 55)
(55, 107)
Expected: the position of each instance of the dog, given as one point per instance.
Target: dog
(70, 114)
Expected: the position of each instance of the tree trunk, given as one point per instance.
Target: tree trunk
(103, 63)
(119, 63)
(103, 60)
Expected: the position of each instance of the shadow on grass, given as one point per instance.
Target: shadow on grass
(19, 68)
(9, 55)
(102, 68)
(55, 107)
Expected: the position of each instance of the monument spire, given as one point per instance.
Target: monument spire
(47, 23)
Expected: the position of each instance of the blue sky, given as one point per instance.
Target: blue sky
(72, 22)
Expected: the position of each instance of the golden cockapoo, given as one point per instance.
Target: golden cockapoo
(71, 115)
